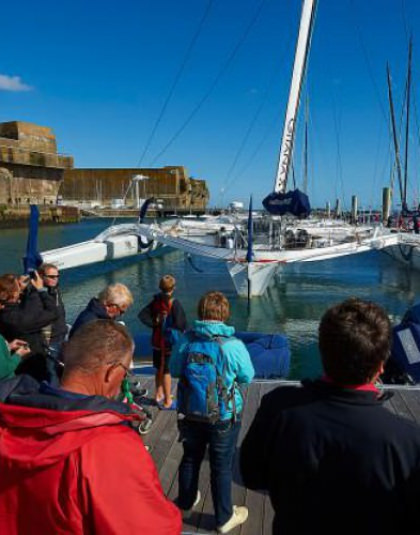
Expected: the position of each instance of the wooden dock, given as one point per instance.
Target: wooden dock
(166, 451)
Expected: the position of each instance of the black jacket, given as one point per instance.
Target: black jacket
(334, 461)
(59, 326)
(25, 320)
(94, 311)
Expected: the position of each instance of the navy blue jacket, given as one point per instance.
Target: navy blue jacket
(94, 311)
(334, 460)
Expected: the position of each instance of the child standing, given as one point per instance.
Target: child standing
(163, 314)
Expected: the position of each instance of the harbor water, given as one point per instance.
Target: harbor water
(293, 305)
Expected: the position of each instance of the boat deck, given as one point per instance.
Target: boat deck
(167, 452)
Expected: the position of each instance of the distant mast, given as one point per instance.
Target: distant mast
(301, 56)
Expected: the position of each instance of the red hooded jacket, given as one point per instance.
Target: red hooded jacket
(78, 472)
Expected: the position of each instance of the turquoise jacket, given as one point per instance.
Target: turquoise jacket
(239, 368)
(8, 362)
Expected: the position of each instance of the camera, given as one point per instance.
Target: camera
(32, 274)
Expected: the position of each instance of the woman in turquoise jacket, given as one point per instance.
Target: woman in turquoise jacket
(220, 436)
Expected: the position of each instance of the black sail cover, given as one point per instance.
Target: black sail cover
(293, 202)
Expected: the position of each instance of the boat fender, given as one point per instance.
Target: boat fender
(144, 243)
(405, 352)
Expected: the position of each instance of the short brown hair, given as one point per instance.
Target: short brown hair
(96, 343)
(167, 283)
(354, 339)
(8, 284)
(213, 306)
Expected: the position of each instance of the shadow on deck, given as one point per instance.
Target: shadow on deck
(167, 452)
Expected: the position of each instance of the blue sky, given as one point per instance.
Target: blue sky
(99, 73)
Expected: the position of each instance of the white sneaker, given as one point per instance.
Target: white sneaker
(239, 516)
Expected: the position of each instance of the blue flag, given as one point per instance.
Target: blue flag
(32, 259)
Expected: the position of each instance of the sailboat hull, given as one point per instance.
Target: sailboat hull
(407, 251)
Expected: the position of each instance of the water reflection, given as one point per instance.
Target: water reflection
(292, 305)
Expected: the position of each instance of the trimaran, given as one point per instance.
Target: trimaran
(256, 248)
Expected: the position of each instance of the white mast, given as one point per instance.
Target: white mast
(302, 49)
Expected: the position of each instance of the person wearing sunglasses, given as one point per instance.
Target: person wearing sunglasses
(54, 333)
(74, 461)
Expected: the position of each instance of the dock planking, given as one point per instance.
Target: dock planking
(166, 451)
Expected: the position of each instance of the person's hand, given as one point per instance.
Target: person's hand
(37, 281)
(23, 281)
(19, 347)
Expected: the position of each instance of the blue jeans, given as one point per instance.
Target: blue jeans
(221, 439)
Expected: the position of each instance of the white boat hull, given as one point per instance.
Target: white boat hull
(119, 241)
(407, 251)
(252, 278)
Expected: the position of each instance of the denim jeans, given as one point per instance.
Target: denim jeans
(53, 366)
(221, 439)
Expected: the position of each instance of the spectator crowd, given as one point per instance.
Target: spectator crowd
(330, 456)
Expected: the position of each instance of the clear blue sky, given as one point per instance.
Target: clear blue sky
(99, 74)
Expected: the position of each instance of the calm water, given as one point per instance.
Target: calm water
(293, 305)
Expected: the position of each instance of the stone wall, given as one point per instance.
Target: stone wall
(168, 184)
(31, 170)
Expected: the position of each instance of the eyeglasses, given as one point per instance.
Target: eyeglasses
(52, 276)
(128, 372)
(120, 310)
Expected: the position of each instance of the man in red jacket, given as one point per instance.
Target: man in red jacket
(70, 460)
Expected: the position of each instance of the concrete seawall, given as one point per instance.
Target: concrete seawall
(18, 216)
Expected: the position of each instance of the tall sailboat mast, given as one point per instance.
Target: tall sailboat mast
(301, 56)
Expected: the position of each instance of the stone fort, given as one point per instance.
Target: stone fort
(33, 172)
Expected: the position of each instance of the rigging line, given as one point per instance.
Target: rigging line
(229, 179)
(243, 143)
(369, 67)
(339, 162)
(176, 80)
(261, 144)
(213, 85)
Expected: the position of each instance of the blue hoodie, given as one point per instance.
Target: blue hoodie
(239, 367)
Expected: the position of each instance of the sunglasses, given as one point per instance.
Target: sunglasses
(120, 310)
(52, 276)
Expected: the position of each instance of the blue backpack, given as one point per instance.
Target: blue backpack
(203, 395)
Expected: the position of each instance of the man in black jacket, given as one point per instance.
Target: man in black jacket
(57, 330)
(332, 458)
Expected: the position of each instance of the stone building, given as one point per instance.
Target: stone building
(31, 170)
(169, 185)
